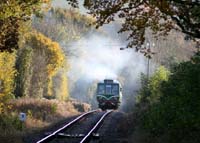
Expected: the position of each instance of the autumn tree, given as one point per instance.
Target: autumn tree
(60, 85)
(139, 15)
(63, 26)
(54, 30)
(52, 54)
(7, 76)
(37, 63)
(13, 13)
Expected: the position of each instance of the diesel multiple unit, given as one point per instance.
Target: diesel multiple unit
(109, 94)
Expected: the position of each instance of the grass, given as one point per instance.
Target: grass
(41, 113)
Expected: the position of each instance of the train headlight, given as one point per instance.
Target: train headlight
(116, 98)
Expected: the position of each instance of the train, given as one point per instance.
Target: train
(109, 94)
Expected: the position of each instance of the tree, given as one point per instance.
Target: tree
(60, 23)
(139, 15)
(155, 84)
(177, 116)
(60, 85)
(150, 91)
(47, 59)
(7, 76)
(13, 13)
(24, 68)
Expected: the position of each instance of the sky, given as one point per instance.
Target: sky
(63, 4)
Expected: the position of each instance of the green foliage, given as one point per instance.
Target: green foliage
(10, 122)
(144, 90)
(24, 68)
(177, 114)
(155, 84)
(150, 91)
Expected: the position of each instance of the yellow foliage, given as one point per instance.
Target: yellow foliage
(7, 75)
(64, 94)
(53, 54)
(60, 85)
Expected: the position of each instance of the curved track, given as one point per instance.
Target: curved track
(84, 126)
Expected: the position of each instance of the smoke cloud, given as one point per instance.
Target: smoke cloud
(98, 56)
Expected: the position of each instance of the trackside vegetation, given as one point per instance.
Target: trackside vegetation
(13, 15)
(34, 65)
(168, 105)
(7, 75)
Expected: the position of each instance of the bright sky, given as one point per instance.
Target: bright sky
(63, 4)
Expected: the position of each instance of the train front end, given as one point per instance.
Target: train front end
(109, 94)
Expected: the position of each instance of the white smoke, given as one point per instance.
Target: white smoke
(98, 57)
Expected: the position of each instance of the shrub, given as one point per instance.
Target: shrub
(177, 113)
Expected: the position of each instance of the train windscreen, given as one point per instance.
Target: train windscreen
(108, 89)
(115, 89)
(100, 88)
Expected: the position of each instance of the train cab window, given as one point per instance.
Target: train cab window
(108, 89)
(101, 89)
(115, 89)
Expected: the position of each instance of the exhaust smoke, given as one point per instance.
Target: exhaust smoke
(98, 57)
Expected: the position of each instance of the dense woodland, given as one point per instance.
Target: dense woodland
(38, 69)
(34, 62)
(34, 59)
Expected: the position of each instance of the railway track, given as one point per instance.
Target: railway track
(80, 130)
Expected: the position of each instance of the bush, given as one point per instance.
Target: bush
(10, 122)
(150, 91)
(176, 115)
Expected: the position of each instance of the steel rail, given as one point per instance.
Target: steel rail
(89, 134)
(45, 139)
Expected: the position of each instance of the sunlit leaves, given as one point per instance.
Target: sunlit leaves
(60, 85)
(7, 75)
(151, 88)
(53, 54)
(12, 15)
(155, 84)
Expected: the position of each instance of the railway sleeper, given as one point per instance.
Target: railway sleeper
(64, 135)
